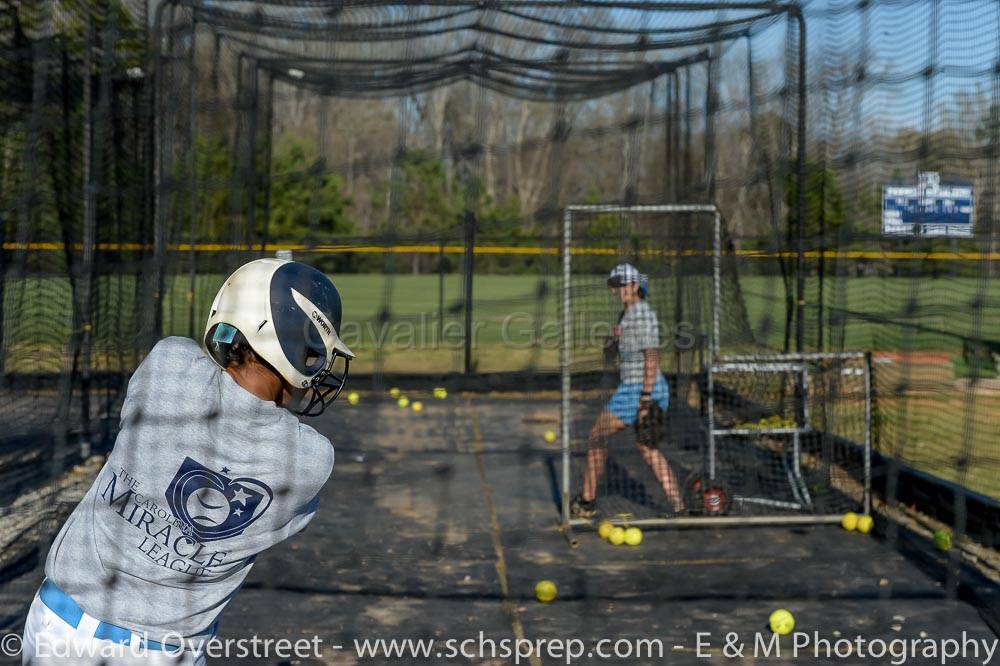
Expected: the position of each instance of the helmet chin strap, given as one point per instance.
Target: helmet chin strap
(323, 385)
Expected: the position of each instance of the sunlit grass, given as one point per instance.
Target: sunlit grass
(415, 324)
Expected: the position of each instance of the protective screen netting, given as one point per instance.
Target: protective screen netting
(423, 153)
(790, 435)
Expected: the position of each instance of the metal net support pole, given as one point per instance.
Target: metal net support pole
(964, 459)
(868, 434)
(800, 201)
(668, 134)
(470, 259)
(80, 338)
(713, 343)
(268, 156)
(712, 69)
(192, 184)
(565, 358)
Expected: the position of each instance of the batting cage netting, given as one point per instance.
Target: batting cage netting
(807, 190)
(748, 435)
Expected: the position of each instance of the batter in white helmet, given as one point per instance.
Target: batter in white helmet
(210, 469)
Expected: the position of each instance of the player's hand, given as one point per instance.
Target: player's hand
(644, 404)
(610, 350)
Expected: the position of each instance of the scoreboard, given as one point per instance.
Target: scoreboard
(928, 208)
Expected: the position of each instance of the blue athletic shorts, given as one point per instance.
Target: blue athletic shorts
(624, 403)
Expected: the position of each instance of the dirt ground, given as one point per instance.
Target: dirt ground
(438, 525)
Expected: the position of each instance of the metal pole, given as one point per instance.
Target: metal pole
(716, 285)
(800, 210)
(752, 104)
(171, 207)
(192, 177)
(470, 244)
(147, 297)
(250, 163)
(81, 336)
(440, 322)
(868, 434)
(687, 131)
(97, 130)
(560, 132)
(237, 172)
(800, 204)
(675, 170)
(713, 344)
(668, 135)
(681, 387)
(821, 261)
(565, 359)
(722, 521)
(779, 357)
(153, 320)
(644, 208)
(709, 138)
(269, 123)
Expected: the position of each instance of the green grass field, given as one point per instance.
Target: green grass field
(509, 312)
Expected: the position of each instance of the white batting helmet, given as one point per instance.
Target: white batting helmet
(290, 315)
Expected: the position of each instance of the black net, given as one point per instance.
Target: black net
(791, 435)
(425, 155)
(785, 433)
(673, 257)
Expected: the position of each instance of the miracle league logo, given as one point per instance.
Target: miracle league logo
(202, 506)
(213, 505)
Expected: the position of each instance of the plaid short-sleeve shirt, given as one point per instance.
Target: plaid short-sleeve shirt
(640, 331)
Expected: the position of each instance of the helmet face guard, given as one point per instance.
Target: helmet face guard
(325, 388)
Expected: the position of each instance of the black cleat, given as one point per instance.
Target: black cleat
(581, 508)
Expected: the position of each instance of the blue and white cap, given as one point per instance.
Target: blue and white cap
(624, 274)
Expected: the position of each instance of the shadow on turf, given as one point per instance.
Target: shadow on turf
(959, 579)
(648, 595)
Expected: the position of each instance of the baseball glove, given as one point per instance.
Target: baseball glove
(649, 425)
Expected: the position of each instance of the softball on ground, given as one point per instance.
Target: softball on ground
(604, 529)
(850, 521)
(942, 539)
(394, 392)
(417, 406)
(549, 436)
(781, 622)
(353, 398)
(633, 536)
(403, 401)
(865, 524)
(545, 591)
(617, 536)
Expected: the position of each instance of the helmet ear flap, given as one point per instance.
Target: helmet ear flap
(227, 345)
(314, 352)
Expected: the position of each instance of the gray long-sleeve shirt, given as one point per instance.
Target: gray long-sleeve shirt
(203, 477)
